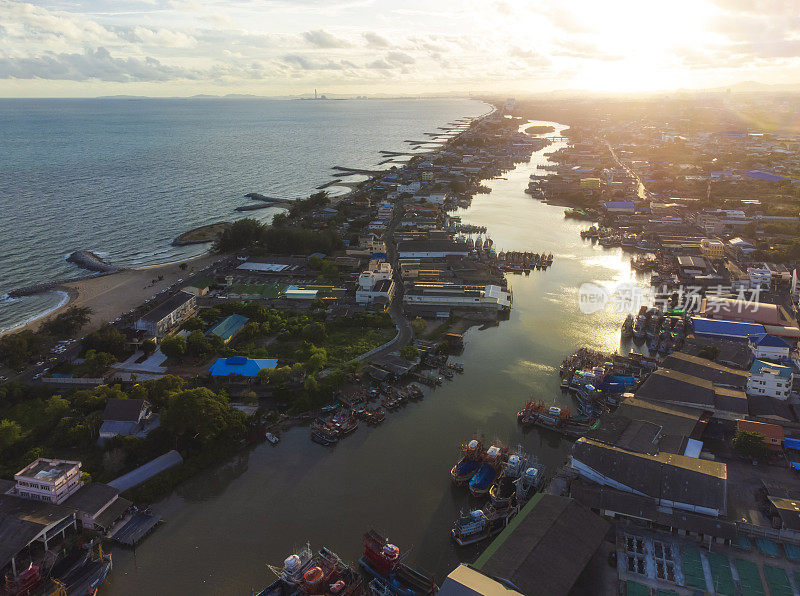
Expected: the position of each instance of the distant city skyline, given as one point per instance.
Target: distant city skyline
(372, 47)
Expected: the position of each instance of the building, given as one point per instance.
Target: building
(712, 249)
(737, 330)
(669, 480)
(128, 418)
(745, 311)
(50, 480)
(430, 249)
(772, 433)
(228, 327)
(665, 386)
(381, 292)
(760, 276)
(98, 506)
(770, 347)
(718, 374)
(544, 551)
(240, 366)
(450, 296)
(772, 380)
(169, 314)
(741, 247)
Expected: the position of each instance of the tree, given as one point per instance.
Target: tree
(148, 346)
(419, 325)
(197, 345)
(10, 433)
(107, 339)
(203, 415)
(173, 346)
(409, 352)
(183, 266)
(67, 323)
(750, 444)
(241, 234)
(95, 364)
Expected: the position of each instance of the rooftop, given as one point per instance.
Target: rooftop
(545, 547)
(228, 326)
(48, 470)
(123, 410)
(761, 367)
(706, 369)
(169, 305)
(239, 365)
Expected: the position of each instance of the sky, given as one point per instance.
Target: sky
(59, 48)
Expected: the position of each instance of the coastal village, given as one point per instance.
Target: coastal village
(682, 475)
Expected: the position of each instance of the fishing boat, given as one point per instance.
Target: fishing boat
(627, 327)
(382, 560)
(504, 488)
(470, 461)
(83, 574)
(308, 573)
(483, 479)
(323, 438)
(273, 439)
(480, 524)
(529, 482)
(640, 327)
(24, 584)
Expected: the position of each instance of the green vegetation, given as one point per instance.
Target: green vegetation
(107, 339)
(409, 352)
(24, 347)
(419, 325)
(35, 422)
(252, 234)
(94, 364)
(173, 347)
(750, 444)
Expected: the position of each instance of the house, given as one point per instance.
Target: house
(98, 506)
(772, 433)
(240, 366)
(770, 347)
(50, 480)
(169, 314)
(772, 380)
(228, 327)
(760, 276)
(128, 418)
(741, 247)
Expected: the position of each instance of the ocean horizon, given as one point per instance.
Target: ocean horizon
(122, 177)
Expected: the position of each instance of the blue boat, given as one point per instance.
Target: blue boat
(465, 469)
(485, 476)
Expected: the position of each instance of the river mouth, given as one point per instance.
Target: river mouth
(223, 526)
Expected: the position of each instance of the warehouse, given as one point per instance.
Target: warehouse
(726, 329)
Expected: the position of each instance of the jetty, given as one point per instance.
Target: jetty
(256, 196)
(357, 171)
(89, 260)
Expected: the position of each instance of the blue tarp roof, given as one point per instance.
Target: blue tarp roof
(731, 329)
(239, 365)
(619, 205)
(772, 341)
(791, 443)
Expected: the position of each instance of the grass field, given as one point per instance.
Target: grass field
(266, 291)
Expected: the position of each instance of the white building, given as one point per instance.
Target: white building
(170, 313)
(375, 284)
(770, 347)
(430, 249)
(452, 296)
(51, 480)
(772, 380)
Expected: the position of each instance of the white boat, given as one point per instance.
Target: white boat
(529, 482)
(273, 439)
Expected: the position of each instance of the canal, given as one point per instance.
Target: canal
(223, 526)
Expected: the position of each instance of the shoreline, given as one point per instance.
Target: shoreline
(77, 287)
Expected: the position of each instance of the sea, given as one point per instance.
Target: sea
(122, 177)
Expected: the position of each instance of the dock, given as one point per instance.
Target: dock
(134, 528)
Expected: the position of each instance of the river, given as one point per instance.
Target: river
(223, 526)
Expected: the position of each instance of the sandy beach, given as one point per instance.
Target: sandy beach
(110, 296)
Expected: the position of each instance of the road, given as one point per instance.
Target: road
(641, 191)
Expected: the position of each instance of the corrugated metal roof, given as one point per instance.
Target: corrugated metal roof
(733, 329)
(228, 326)
(147, 471)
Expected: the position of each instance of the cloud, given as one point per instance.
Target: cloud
(98, 64)
(400, 58)
(375, 41)
(301, 62)
(322, 39)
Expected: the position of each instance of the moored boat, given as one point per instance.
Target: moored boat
(470, 461)
(503, 489)
(306, 573)
(480, 524)
(382, 560)
(483, 479)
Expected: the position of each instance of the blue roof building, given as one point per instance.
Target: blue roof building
(228, 327)
(619, 206)
(241, 366)
(759, 366)
(727, 329)
(768, 176)
(771, 341)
